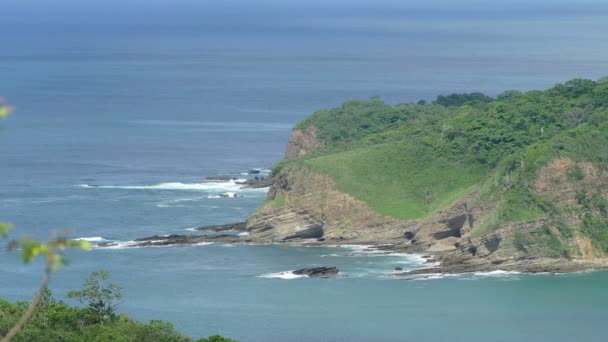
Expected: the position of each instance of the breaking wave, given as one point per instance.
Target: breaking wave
(91, 239)
(227, 186)
(287, 275)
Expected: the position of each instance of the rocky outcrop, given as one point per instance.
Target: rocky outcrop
(302, 142)
(302, 204)
(462, 237)
(239, 227)
(320, 272)
(220, 178)
(255, 183)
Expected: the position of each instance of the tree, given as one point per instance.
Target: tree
(101, 299)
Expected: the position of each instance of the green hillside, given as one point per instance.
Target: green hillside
(408, 160)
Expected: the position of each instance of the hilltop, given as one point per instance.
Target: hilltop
(513, 182)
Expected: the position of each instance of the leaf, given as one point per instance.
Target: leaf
(80, 244)
(5, 110)
(5, 228)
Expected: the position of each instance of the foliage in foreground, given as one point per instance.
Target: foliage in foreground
(56, 321)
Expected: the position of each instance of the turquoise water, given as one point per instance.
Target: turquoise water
(121, 116)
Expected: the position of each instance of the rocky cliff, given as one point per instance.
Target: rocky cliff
(515, 182)
(305, 206)
(302, 142)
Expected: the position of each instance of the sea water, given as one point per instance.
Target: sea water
(120, 117)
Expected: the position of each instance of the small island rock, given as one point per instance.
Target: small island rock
(322, 272)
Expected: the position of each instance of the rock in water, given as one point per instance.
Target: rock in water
(322, 272)
(398, 268)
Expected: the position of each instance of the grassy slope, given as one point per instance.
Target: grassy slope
(399, 180)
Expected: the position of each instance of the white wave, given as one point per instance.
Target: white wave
(202, 244)
(497, 273)
(133, 244)
(225, 195)
(243, 234)
(373, 251)
(193, 229)
(210, 186)
(120, 245)
(283, 275)
(188, 201)
(91, 239)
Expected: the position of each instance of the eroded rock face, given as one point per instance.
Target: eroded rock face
(311, 231)
(321, 272)
(302, 142)
(302, 204)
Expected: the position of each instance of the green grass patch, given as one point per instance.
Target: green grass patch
(405, 181)
(279, 201)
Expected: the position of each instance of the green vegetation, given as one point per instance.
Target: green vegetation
(461, 99)
(101, 300)
(279, 201)
(54, 320)
(404, 181)
(545, 240)
(408, 160)
(595, 219)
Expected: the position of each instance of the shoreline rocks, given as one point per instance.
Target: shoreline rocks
(175, 239)
(238, 227)
(255, 183)
(319, 272)
(220, 178)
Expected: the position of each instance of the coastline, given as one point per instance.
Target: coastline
(440, 263)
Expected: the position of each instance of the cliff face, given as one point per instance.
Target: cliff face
(303, 205)
(302, 142)
(479, 184)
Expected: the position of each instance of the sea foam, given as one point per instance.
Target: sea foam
(287, 275)
(91, 239)
(222, 187)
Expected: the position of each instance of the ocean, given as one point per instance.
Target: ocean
(122, 114)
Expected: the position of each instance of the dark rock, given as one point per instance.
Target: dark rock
(175, 239)
(322, 272)
(312, 231)
(453, 225)
(321, 239)
(456, 222)
(408, 235)
(398, 268)
(256, 183)
(220, 178)
(240, 227)
(229, 195)
(492, 243)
